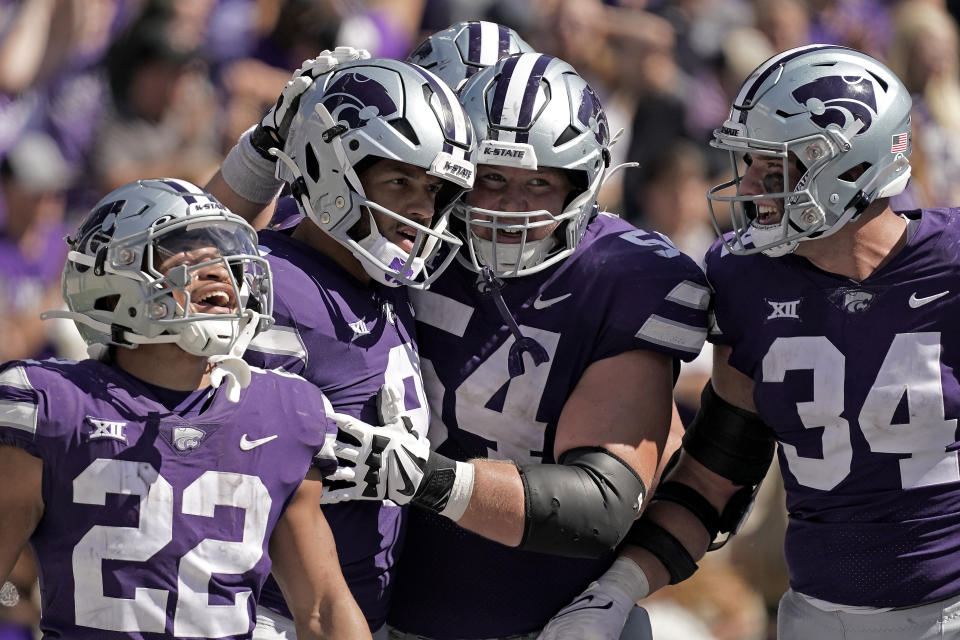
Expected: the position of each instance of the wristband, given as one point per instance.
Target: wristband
(446, 487)
(250, 175)
(625, 573)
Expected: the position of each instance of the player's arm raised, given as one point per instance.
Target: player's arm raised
(307, 569)
(21, 503)
(245, 182)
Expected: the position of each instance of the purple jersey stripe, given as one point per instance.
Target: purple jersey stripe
(530, 96)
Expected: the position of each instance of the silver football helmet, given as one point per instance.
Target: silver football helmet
(834, 115)
(372, 109)
(118, 295)
(462, 49)
(532, 110)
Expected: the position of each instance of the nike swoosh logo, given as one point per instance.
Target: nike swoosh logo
(587, 600)
(916, 303)
(408, 488)
(246, 445)
(540, 303)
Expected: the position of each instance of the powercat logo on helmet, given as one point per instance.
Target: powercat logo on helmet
(839, 100)
(590, 109)
(356, 99)
(94, 233)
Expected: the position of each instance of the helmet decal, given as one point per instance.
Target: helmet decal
(591, 111)
(356, 99)
(95, 231)
(481, 55)
(748, 92)
(839, 100)
(522, 73)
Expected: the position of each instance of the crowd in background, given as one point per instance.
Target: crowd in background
(96, 93)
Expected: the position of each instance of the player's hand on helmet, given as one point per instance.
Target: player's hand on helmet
(377, 462)
(598, 613)
(273, 128)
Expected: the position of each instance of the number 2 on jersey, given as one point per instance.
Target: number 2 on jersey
(146, 611)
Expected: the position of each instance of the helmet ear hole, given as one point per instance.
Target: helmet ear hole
(406, 129)
(853, 173)
(566, 136)
(106, 303)
(313, 164)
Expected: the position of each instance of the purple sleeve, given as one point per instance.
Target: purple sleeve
(655, 298)
(21, 409)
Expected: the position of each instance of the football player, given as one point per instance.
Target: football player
(376, 152)
(146, 481)
(835, 338)
(534, 345)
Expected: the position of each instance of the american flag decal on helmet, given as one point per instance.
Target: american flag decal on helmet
(899, 143)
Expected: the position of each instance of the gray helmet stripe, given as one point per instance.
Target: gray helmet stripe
(746, 95)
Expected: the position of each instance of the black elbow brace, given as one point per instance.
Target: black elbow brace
(729, 441)
(581, 507)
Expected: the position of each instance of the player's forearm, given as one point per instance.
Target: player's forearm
(496, 509)
(258, 214)
(333, 620)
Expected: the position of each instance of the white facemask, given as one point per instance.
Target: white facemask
(513, 256)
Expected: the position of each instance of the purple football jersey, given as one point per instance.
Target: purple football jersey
(858, 381)
(348, 339)
(622, 289)
(156, 524)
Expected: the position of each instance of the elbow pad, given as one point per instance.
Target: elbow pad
(731, 442)
(581, 507)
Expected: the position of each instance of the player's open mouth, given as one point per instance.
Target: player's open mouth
(408, 236)
(509, 237)
(213, 301)
(767, 214)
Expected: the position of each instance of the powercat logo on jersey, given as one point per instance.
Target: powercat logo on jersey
(184, 437)
(853, 300)
(356, 99)
(839, 100)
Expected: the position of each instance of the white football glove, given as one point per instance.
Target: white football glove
(378, 462)
(275, 125)
(600, 612)
(392, 461)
